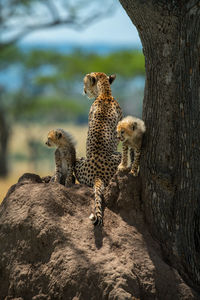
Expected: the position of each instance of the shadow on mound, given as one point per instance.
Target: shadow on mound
(50, 250)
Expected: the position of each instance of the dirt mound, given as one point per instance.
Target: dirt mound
(50, 250)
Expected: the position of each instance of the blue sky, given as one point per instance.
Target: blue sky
(117, 29)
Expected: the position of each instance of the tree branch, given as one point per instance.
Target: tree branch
(71, 21)
(53, 10)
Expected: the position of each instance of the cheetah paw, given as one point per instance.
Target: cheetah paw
(95, 220)
(52, 179)
(121, 167)
(135, 172)
(68, 184)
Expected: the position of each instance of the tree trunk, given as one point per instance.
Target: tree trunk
(170, 166)
(4, 135)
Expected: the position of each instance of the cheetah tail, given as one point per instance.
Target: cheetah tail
(97, 217)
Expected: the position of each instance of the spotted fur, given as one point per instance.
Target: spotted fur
(65, 155)
(130, 131)
(102, 158)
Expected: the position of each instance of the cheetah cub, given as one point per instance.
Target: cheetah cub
(65, 155)
(130, 131)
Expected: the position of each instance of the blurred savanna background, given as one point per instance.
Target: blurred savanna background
(46, 48)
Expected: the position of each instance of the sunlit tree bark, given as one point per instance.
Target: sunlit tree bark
(170, 171)
(4, 137)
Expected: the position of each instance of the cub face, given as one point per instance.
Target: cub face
(54, 138)
(91, 81)
(126, 131)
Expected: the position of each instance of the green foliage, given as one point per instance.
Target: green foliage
(38, 58)
(127, 64)
(10, 55)
(47, 107)
(51, 82)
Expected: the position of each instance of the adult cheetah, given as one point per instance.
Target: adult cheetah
(102, 158)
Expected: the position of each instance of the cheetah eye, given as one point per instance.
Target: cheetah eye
(122, 131)
(92, 79)
(59, 135)
(134, 126)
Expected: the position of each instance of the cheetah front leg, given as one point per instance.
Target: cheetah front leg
(97, 217)
(131, 155)
(124, 161)
(136, 164)
(58, 170)
(70, 178)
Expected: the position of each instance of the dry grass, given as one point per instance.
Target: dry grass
(18, 144)
(5, 184)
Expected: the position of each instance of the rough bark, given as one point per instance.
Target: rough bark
(170, 35)
(4, 136)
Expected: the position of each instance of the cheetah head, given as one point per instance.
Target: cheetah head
(94, 81)
(125, 131)
(54, 138)
(130, 128)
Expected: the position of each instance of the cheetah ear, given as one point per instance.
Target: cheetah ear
(111, 78)
(92, 79)
(59, 135)
(134, 125)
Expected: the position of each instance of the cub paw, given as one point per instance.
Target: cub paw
(52, 179)
(57, 180)
(68, 184)
(121, 167)
(135, 171)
